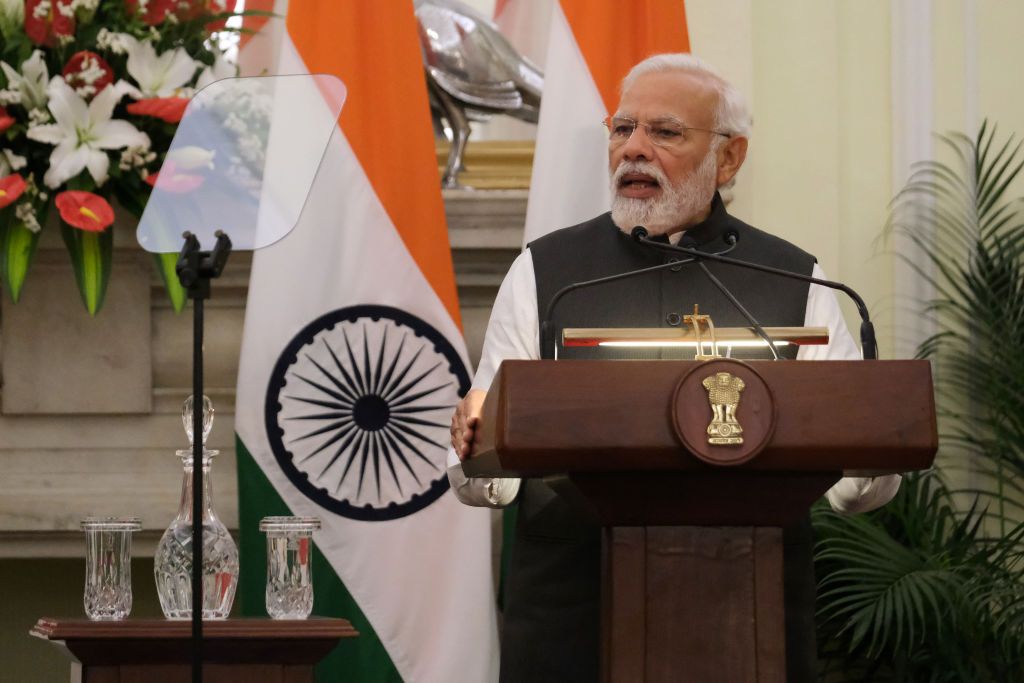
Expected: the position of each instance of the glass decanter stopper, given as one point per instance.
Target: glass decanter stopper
(173, 563)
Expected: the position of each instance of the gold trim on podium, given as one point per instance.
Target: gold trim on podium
(686, 336)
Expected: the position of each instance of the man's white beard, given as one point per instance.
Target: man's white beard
(674, 206)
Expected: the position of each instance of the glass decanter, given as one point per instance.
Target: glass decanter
(173, 563)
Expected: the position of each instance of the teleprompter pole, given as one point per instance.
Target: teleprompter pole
(195, 269)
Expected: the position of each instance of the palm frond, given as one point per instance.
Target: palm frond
(931, 587)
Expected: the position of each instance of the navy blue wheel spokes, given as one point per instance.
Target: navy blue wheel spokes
(357, 411)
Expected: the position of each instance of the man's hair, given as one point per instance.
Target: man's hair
(732, 115)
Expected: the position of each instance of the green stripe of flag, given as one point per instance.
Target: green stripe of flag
(361, 659)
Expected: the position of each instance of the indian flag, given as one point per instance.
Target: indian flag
(591, 47)
(352, 360)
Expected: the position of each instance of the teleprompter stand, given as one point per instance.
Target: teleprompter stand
(195, 269)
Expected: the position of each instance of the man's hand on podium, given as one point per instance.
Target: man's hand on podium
(465, 421)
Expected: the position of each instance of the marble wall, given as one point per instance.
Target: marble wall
(91, 407)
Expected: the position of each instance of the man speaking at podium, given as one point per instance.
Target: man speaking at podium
(680, 132)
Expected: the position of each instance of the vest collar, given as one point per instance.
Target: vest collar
(708, 230)
(712, 227)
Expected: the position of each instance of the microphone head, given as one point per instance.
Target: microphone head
(638, 233)
(731, 237)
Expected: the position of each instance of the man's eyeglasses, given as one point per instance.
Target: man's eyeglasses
(663, 133)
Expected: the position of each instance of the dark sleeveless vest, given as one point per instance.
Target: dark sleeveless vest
(552, 588)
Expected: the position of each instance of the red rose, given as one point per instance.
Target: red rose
(44, 30)
(6, 120)
(84, 210)
(11, 188)
(169, 109)
(74, 71)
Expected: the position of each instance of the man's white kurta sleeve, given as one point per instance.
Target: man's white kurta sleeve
(850, 494)
(512, 334)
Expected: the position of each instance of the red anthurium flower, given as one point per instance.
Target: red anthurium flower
(44, 26)
(156, 10)
(84, 210)
(169, 109)
(87, 68)
(11, 188)
(6, 120)
(193, 9)
(173, 181)
(216, 7)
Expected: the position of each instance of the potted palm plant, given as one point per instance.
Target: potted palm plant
(931, 587)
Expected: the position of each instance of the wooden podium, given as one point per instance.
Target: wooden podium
(692, 559)
(160, 651)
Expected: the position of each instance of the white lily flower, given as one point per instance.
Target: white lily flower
(31, 83)
(221, 69)
(82, 132)
(163, 75)
(191, 157)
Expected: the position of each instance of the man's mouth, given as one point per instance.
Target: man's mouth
(639, 185)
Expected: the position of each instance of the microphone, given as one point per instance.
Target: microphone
(547, 341)
(732, 237)
(867, 329)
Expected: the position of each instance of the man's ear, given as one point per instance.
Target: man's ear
(730, 158)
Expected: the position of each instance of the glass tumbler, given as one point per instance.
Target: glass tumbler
(289, 565)
(108, 566)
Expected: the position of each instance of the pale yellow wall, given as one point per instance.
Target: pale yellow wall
(817, 75)
(1001, 67)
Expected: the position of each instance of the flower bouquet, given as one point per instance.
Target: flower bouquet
(91, 92)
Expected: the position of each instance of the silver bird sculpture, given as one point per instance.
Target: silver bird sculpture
(472, 73)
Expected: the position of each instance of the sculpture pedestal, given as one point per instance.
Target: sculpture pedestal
(160, 651)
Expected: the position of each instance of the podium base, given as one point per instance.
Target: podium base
(693, 603)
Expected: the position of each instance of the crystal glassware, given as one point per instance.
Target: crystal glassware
(289, 565)
(108, 566)
(173, 563)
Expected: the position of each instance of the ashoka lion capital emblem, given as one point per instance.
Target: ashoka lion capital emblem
(724, 395)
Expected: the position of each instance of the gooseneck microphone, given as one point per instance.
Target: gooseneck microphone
(547, 341)
(867, 329)
(731, 238)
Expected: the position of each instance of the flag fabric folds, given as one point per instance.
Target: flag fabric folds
(352, 360)
(525, 24)
(591, 47)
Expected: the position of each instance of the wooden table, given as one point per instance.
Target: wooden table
(160, 651)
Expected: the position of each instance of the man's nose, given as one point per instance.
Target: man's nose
(638, 146)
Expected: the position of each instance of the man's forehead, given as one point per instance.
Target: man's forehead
(670, 95)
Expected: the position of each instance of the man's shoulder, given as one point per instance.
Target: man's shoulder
(594, 228)
(767, 243)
